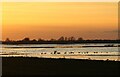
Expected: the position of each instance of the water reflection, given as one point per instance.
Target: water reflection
(63, 51)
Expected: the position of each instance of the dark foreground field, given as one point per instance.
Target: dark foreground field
(21, 66)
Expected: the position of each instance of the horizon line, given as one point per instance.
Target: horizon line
(56, 39)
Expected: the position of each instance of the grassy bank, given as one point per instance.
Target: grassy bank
(25, 66)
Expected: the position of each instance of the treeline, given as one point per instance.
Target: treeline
(61, 40)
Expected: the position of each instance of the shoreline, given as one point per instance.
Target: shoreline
(64, 47)
(73, 57)
(31, 66)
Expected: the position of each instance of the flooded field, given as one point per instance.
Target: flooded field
(76, 51)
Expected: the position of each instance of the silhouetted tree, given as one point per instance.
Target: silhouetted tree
(26, 39)
(71, 38)
(52, 39)
(66, 39)
(7, 40)
(61, 39)
(34, 40)
(40, 40)
(79, 39)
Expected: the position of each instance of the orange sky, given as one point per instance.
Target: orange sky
(54, 19)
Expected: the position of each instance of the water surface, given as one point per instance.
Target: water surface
(76, 51)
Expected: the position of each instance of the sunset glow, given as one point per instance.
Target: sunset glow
(90, 20)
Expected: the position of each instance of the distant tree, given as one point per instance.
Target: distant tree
(39, 40)
(80, 38)
(26, 39)
(7, 40)
(34, 40)
(66, 39)
(71, 38)
(61, 39)
(52, 39)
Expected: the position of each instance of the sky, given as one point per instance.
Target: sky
(60, 0)
(90, 20)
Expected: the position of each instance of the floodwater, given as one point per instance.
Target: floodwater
(74, 51)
